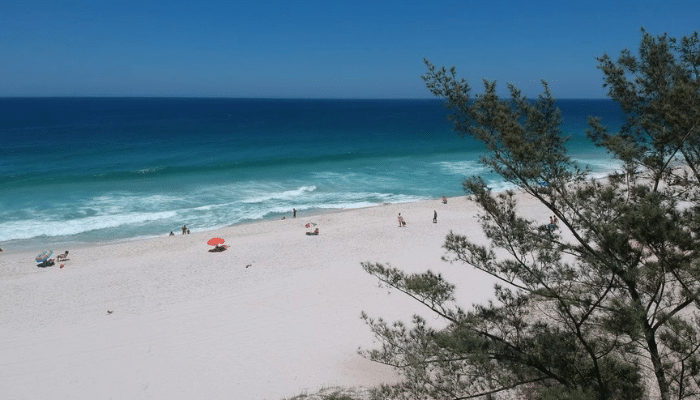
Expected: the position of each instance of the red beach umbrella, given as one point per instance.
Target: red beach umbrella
(215, 241)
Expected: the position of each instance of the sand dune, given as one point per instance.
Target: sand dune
(276, 315)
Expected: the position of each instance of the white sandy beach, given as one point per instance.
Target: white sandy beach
(187, 323)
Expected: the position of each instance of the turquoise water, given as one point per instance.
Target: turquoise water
(80, 170)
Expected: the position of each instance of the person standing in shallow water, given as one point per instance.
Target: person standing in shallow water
(294, 211)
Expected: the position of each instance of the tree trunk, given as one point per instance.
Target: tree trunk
(658, 368)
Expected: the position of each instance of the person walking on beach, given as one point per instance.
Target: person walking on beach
(401, 221)
(294, 210)
(434, 217)
(184, 229)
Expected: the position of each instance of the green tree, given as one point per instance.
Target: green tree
(591, 310)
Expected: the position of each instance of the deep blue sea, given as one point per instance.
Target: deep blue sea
(82, 170)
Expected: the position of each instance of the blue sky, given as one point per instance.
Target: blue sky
(317, 49)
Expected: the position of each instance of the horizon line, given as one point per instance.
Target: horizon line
(264, 98)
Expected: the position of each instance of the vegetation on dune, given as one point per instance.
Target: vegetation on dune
(335, 393)
(605, 306)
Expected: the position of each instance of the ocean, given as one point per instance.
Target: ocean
(85, 170)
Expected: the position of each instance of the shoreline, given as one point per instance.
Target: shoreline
(275, 315)
(58, 242)
(29, 245)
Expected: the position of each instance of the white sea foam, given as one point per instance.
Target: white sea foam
(210, 207)
(500, 186)
(461, 168)
(286, 195)
(26, 229)
(336, 178)
(149, 170)
(120, 202)
(356, 200)
(365, 179)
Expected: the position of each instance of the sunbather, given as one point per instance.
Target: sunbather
(219, 248)
(63, 256)
(315, 232)
(47, 263)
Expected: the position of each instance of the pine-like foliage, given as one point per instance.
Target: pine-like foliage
(606, 307)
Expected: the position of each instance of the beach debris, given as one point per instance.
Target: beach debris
(109, 311)
(248, 265)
